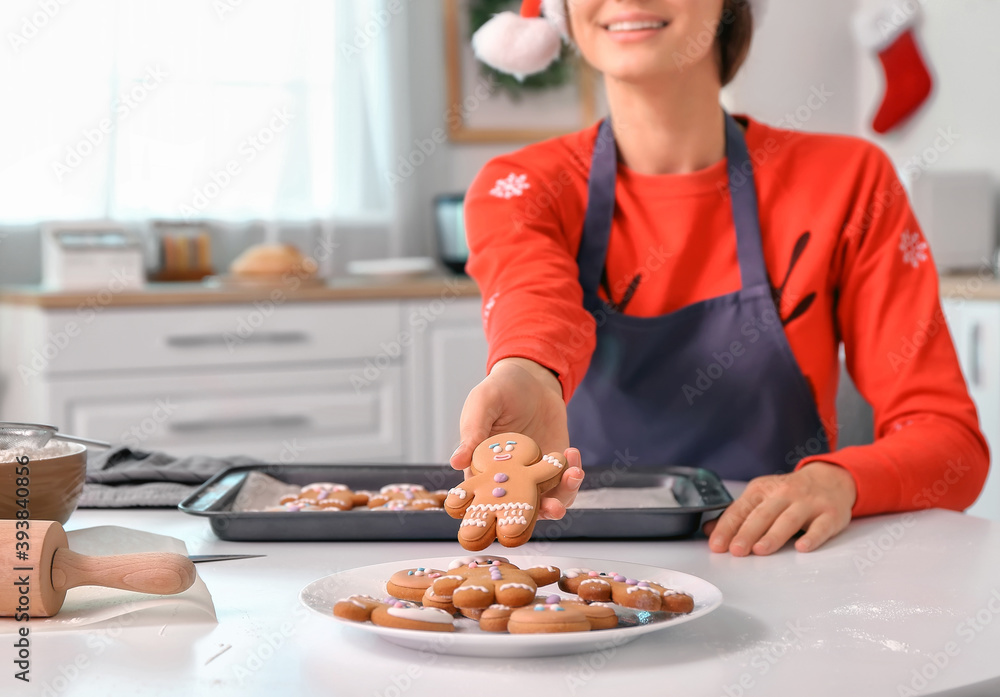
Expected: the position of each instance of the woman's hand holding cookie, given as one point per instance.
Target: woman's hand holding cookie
(522, 396)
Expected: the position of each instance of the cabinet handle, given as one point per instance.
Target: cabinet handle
(249, 424)
(974, 368)
(206, 340)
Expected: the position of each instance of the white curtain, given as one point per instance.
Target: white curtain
(195, 109)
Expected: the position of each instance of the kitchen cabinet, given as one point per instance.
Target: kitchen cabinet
(306, 379)
(975, 329)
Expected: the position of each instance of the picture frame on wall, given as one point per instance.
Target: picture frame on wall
(485, 109)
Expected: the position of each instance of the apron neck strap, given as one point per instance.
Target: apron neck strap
(601, 209)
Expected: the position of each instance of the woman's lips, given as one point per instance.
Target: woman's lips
(502, 456)
(632, 31)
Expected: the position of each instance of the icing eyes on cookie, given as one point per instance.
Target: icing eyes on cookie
(496, 448)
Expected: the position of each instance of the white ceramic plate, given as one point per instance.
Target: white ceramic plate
(469, 640)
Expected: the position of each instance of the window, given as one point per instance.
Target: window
(195, 109)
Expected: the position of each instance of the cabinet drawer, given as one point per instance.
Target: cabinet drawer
(300, 416)
(260, 333)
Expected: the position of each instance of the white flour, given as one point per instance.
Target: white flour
(54, 448)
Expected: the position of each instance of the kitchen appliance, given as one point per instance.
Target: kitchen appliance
(957, 212)
(91, 256)
(449, 218)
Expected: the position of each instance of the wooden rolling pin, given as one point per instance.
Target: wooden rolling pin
(37, 583)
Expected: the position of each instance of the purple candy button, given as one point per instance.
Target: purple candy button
(552, 599)
(500, 478)
(499, 492)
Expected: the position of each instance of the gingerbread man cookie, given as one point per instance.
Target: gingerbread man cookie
(406, 497)
(592, 586)
(411, 584)
(484, 581)
(393, 613)
(496, 618)
(499, 499)
(322, 496)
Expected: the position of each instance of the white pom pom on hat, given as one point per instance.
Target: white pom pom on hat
(528, 43)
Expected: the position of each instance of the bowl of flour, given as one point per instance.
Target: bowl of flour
(42, 483)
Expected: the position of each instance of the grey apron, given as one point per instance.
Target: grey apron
(714, 384)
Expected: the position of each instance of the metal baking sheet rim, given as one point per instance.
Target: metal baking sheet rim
(349, 526)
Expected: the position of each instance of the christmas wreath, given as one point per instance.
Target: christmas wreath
(559, 74)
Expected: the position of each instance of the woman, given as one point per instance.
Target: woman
(686, 292)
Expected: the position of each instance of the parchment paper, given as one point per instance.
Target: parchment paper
(90, 605)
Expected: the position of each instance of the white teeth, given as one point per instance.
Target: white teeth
(635, 26)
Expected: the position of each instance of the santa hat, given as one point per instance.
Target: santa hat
(527, 43)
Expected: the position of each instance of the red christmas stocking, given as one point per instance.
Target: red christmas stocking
(890, 31)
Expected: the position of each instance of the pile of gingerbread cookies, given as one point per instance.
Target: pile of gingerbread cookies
(327, 496)
(504, 598)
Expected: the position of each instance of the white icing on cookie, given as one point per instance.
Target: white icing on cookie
(421, 614)
(483, 507)
(525, 586)
(480, 589)
(511, 520)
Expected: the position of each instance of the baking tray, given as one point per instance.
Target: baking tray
(697, 491)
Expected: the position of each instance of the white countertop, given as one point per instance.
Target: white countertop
(858, 617)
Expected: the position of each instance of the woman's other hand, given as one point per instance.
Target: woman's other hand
(817, 498)
(522, 396)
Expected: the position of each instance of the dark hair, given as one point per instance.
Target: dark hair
(734, 35)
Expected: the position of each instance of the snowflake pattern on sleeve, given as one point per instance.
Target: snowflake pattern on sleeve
(914, 249)
(513, 185)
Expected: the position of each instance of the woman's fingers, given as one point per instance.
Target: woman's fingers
(728, 524)
(476, 424)
(554, 503)
(791, 520)
(820, 530)
(757, 523)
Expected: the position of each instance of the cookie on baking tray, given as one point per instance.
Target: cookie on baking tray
(321, 496)
(393, 613)
(406, 497)
(592, 585)
(499, 499)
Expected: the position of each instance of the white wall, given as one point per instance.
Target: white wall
(800, 46)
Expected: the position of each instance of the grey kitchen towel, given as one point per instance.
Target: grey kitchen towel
(123, 478)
